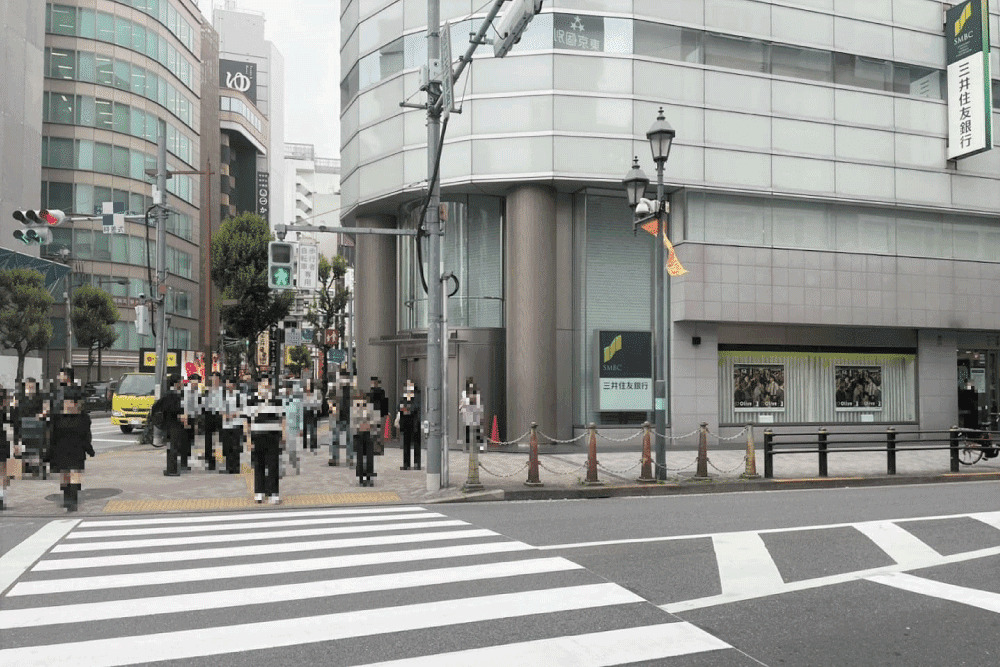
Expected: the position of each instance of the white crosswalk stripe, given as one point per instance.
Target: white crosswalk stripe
(123, 592)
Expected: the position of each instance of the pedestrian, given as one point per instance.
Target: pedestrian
(311, 404)
(31, 413)
(267, 428)
(233, 402)
(71, 444)
(409, 426)
(291, 395)
(189, 418)
(471, 414)
(362, 415)
(213, 408)
(172, 410)
(5, 444)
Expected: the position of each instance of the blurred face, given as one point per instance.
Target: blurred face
(71, 407)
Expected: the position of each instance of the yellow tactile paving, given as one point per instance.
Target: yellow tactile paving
(200, 504)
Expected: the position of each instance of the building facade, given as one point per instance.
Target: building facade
(117, 74)
(841, 270)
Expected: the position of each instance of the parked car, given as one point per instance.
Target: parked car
(97, 395)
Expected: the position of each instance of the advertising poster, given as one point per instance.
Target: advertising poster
(759, 387)
(858, 388)
(626, 371)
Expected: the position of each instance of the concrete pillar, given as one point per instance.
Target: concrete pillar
(531, 309)
(937, 379)
(375, 305)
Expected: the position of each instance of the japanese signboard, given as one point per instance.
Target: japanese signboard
(264, 349)
(239, 76)
(147, 360)
(759, 387)
(625, 378)
(970, 103)
(576, 32)
(308, 266)
(264, 194)
(113, 217)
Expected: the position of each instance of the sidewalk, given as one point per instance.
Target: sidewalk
(130, 479)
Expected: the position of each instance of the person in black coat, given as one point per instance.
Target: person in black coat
(174, 430)
(71, 444)
(409, 426)
(4, 443)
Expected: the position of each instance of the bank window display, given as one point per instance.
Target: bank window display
(809, 387)
(473, 251)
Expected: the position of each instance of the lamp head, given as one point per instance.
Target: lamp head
(661, 138)
(635, 183)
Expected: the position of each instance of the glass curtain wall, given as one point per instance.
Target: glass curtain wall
(473, 251)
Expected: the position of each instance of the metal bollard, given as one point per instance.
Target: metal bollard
(768, 453)
(472, 483)
(702, 472)
(821, 448)
(751, 468)
(954, 443)
(592, 457)
(890, 451)
(533, 459)
(646, 475)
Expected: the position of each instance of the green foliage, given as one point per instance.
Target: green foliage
(327, 309)
(239, 270)
(94, 318)
(24, 313)
(299, 357)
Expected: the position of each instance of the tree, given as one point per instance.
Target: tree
(94, 318)
(299, 357)
(327, 309)
(24, 313)
(239, 270)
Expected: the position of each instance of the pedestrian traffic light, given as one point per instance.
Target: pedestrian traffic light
(36, 225)
(280, 265)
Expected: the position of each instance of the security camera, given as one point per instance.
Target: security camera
(644, 207)
(142, 297)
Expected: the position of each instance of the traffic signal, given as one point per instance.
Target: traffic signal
(280, 265)
(512, 24)
(142, 322)
(36, 225)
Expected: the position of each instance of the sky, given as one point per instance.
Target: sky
(307, 33)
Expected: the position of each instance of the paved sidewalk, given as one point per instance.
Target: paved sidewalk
(130, 479)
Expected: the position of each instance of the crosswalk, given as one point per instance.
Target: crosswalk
(353, 586)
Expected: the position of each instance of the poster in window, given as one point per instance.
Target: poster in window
(858, 388)
(759, 387)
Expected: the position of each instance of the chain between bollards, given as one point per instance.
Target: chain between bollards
(533, 458)
(646, 475)
(751, 458)
(702, 471)
(592, 458)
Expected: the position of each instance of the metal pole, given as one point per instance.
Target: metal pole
(432, 223)
(69, 315)
(659, 340)
(160, 297)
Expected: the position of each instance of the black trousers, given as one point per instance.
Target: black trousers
(179, 446)
(266, 452)
(213, 424)
(231, 439)
(411, 442)
(365, 469)
(310, 430)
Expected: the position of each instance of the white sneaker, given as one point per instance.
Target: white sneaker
(274, 500)
(259, 497)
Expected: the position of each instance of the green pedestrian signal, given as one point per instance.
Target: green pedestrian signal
(280, 265)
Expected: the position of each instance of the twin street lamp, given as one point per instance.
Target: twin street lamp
(652, 216)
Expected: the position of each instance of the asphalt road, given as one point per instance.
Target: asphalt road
(872, 576)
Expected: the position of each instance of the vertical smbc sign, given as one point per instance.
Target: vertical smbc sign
(970, 98)
(264, 194)
(625, 375)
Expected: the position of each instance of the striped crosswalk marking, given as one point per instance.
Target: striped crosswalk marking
(322, 576)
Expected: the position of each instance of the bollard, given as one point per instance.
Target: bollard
(702, 472)
(954, 442)
(768, 453)
(890, 451)
(751, 469)
(592, 457)
(821, 448)
(646, 475)
(472, 483)
(533, 458)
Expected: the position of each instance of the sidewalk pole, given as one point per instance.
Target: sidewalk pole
(533, 458)
(646, 475)
(768, 453)
(890, 451)
(592, 458)
(953, 443)
(821, 448)
(702, 472)
(751, 469)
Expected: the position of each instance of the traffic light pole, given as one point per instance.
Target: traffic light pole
(160, 298)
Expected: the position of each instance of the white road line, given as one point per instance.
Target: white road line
(174, 604)
(745, 565)
(77, 547)
(808, 584)
(251, 525)
(989, 518)
(898, 543)
(244, 516)
(967, 596)
(188, 555)
(311, 629)
(598, 649)
(100, 582)
(15, 562)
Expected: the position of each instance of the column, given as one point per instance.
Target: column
(531, 309)
(375, 305)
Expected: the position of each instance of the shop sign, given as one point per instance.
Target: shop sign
(625, 376)
(759, 387)
(970, 98)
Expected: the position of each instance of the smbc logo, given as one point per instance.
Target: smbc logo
(237, 81)
(963, 19)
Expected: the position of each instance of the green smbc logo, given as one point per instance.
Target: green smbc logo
(281, 276)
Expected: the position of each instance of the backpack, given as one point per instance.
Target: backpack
(156, 413)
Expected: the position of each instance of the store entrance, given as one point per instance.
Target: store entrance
(979, 389)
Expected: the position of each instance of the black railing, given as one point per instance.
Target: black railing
(823, 443)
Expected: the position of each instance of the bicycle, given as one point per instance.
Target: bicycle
(975, 445)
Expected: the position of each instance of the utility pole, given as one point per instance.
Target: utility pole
(161, 261)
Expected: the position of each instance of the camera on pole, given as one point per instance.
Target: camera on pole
(36, 225)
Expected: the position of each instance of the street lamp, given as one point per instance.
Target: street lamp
(661, 139)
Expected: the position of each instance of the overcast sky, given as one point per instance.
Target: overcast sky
(307, 32)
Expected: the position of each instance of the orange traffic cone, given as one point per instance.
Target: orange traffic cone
(495, 433)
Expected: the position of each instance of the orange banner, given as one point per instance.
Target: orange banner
(674, 266)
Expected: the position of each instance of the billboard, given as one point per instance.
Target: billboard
(239, 76)
(625, 375)
(858, 388)
(970, 98)
(759, 387)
